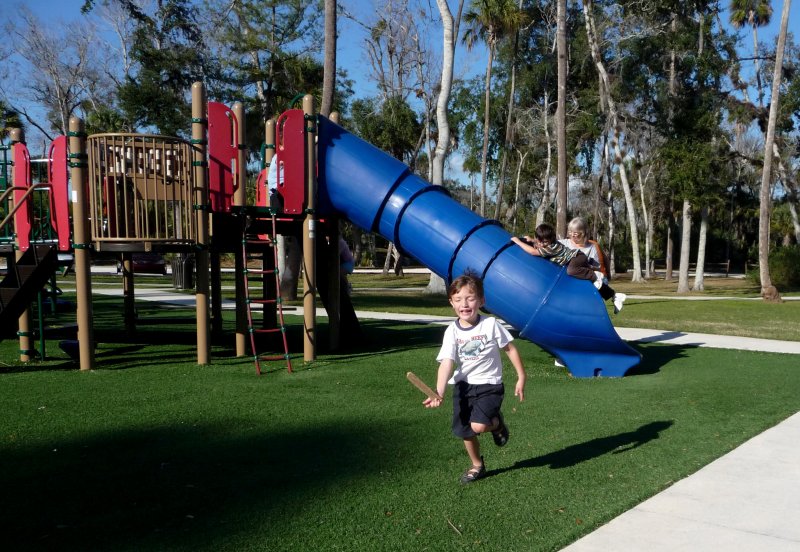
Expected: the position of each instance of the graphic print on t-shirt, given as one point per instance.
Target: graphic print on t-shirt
(469, 349)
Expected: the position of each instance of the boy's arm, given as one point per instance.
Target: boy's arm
(516, 360)
(526, 246)
(445, 370)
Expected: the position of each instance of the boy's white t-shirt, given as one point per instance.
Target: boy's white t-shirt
(476, 351)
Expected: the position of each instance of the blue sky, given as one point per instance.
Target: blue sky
(351, 54)
(351, 35)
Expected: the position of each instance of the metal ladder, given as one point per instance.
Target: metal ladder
(252, 244)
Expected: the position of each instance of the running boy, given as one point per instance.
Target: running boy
(471, 347)
(546, 246)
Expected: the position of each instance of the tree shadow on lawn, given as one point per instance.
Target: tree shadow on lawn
(177, 487)
(385, 336)
(581, 452)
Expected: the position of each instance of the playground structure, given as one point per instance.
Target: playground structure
(143, 193)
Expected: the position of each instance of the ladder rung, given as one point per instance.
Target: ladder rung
(256, 245)
(266, 330)
(273, 357)
(263, 301)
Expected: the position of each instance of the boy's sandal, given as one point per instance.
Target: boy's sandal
(500, 435)
(474, 473)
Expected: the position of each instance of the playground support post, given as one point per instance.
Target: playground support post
(334, 277)
(81, 242)
(239, 200)
(309, 235)
(17, 136)
(201, 199)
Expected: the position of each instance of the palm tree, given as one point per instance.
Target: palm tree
(767, 290)
(489, 21)
(756, 13)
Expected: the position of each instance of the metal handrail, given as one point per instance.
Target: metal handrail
(28, 191)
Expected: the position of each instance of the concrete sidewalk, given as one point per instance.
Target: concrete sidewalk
(748, 501)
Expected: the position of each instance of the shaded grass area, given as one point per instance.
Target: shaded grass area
(152, 452)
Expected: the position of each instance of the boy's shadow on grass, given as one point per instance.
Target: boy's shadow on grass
(581, 452)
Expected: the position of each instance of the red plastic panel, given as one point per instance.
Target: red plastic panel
(223, 152)
(59, 191)
(22, 181)
(262, 194)
(290, 147)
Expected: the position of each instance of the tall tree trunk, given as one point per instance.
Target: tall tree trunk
(611, 108)
(561, 118)
(599, 189)
(757, 62)
(699, 271)
(647, 225)
(515, 209)
(329, 67)
(450, 24)
(686, 234)
(487, 95)
(768, 291)
(450, 33)
(545, 203)
(509, 125)
(791, 193)
(672, 92)
(792, 202)
(670, 247)
(612, 265)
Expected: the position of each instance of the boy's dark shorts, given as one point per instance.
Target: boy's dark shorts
(475, 403)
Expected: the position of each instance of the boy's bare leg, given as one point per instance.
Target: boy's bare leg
(473, 450)
(483, 428)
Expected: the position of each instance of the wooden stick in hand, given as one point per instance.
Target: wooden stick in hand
(422, 386)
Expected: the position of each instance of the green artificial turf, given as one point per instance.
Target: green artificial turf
(152, 452)
(722, 317)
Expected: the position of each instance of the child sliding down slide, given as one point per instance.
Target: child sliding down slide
(546, 246)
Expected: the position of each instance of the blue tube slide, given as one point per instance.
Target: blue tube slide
(561, 314)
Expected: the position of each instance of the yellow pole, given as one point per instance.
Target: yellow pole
(310, 236)
(81, 241)
(239, 200)
(200, 165)
(17, 135)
